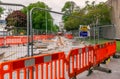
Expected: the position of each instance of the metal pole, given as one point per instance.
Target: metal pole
(98, 34)
(28, 33)
(46, 19)
(31, 33)
(94, 34)
(51, 25)
(97, 20)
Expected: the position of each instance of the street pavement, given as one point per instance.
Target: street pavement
(114, 65)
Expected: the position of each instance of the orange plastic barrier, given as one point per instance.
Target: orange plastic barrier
(42, 37)
(16, 40)
(50, 36)
(52, 66)
(80, 60)
(24, 39)
(38, 67)
(69, 36)
(10, 40)
(104, 51)
(111, 47)
(101, 53)
(1, 41)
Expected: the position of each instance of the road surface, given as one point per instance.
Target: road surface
(114, 65)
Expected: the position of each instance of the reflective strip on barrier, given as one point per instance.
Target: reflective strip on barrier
(47, 66)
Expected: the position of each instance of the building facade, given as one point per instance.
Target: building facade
(115, 4)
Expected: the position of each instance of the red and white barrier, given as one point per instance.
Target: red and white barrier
(44, 67)
(54, 66)
(17, 40)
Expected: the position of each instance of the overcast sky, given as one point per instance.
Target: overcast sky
(56, 5)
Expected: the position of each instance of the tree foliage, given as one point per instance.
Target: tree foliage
(1, 10)
(99, 13)
(16, 19)
(68, 8)
(39, 17)
(91, 13)
(55, 28)
(69, 5)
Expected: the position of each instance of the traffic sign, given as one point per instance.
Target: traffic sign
(83, 28)
(84, 31)
(83, 34)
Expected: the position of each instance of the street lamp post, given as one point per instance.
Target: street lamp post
(46, 19)
(51, 23)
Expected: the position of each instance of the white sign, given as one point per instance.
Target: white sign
(84, 30)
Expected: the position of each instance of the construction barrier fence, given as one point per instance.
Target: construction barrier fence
(39, 67)
(80, 60)
(69, 36)
(54, 66)
(21, 40)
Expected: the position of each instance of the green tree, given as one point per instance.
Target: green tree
(1, 10)
(68, 8)
(92, 13)
(70, 5)
(38, 17)
(73, 22)
(55, 28)
(16, 20)
(98, 13)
